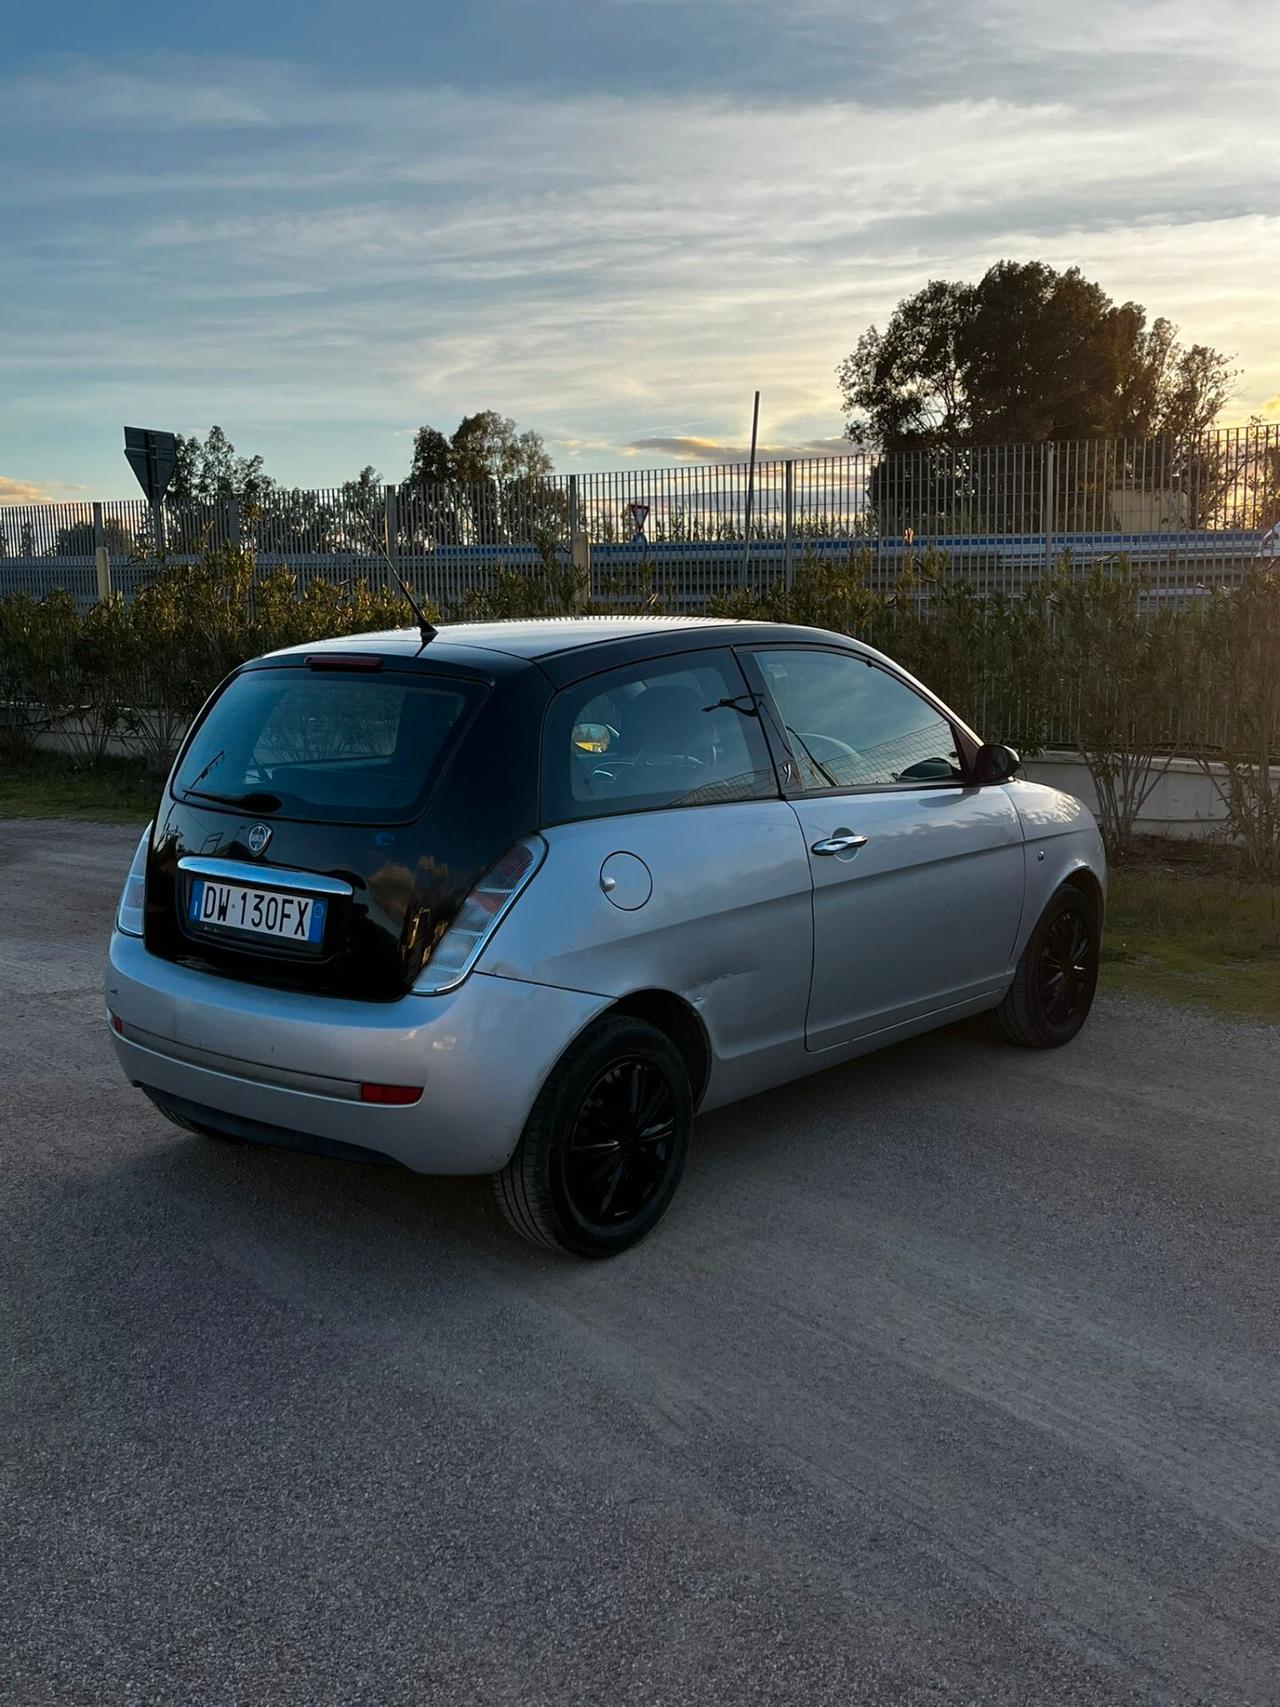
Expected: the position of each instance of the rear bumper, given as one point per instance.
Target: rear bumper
(294, 1063)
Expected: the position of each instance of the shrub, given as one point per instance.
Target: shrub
(985, 656)
(826, 593)
(1077, 658)
(1236, 706)
(36, 670)
(1118, 678)
(143, 668)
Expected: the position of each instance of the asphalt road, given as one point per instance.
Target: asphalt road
(952, 1377)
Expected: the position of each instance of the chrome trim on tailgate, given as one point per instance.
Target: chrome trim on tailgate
(263, 876)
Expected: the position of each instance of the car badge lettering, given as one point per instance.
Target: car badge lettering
(257, 838)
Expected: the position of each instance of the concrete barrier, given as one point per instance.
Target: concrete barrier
(1184, 802)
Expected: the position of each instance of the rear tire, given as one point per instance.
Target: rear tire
(1057, 976)
(605, 1143)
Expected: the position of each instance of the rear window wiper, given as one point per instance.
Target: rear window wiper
(252, 802)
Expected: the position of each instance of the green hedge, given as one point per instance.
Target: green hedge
(142, 668)
(1081, 659)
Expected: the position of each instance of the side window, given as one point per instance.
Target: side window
(852, 725)
(673, 732)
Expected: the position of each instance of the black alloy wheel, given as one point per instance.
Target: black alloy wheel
(622, 1143)
(1066, 971)
(605, 1144)
(1057, 977)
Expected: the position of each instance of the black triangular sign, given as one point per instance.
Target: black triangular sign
(152, 457)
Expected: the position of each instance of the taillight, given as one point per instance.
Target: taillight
(479, 916)
(132, 896)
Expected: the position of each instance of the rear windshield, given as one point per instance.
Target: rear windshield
(343, 747)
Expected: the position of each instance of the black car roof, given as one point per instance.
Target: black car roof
(568, 648)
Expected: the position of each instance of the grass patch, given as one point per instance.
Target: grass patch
(1183, 927)
(46, 785)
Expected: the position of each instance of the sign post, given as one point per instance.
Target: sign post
(152, 457)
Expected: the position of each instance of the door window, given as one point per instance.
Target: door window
(674, 732)
(850, 724)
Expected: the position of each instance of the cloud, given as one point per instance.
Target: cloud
(24, 492)
(321, 263)
(713, 450)
(166, 97)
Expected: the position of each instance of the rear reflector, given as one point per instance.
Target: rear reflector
(344, 661)
(397, 1095)
(117, 1024)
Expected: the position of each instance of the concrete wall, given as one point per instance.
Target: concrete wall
(1184, 802)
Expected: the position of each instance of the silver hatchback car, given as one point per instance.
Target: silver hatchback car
(520, 899)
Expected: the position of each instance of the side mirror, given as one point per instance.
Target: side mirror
(994, 763)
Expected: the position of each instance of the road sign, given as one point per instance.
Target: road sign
(639, 514)
(153, 458)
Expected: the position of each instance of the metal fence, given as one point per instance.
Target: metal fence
(1189, 514)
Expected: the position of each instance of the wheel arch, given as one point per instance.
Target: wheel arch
(1086, 881)
(681, 1022)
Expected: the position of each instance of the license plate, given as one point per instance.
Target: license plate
(297, 919)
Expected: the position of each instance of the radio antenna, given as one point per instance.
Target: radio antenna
(426, 628)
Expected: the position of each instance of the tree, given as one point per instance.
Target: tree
(484, 483)
(364, 512)
(1026, 355)
(1193, 387)
(486, 446)
(907, 383)
(432, 464)
(209, 472)
(430, 510)
(206, 476)
(78, 539)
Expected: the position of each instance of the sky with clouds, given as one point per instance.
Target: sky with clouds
(321, 224)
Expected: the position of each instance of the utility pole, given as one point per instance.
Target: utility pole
(751, 490)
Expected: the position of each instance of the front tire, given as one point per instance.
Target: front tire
(605, 1144)
(1057, 976)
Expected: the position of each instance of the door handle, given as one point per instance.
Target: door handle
(844, 841)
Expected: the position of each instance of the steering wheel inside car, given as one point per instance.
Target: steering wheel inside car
(652, 759)
(829, 747)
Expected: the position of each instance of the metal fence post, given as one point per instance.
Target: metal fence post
(579, 548)
(391, 535)
(1047, 502)
(789, 523)
(101, 562)
(235, 536)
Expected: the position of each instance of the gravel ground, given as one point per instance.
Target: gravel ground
(951, 1377)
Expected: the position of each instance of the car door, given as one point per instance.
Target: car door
(917, 873)
(673, 863)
